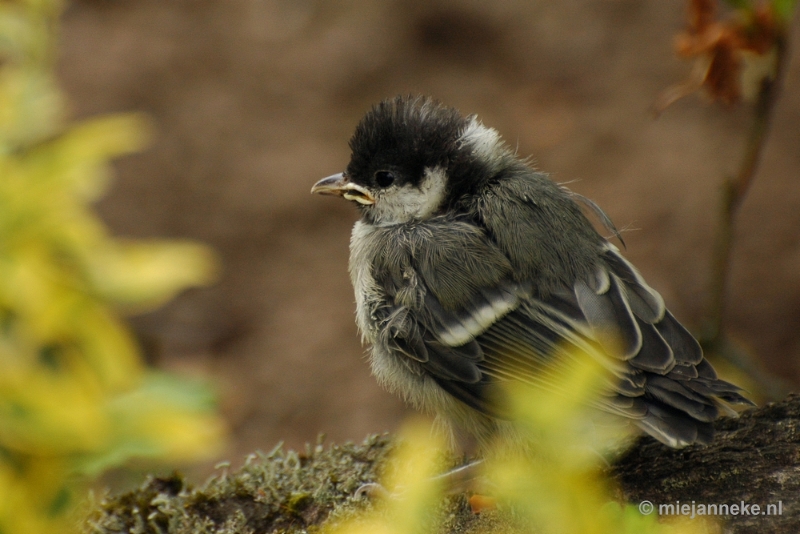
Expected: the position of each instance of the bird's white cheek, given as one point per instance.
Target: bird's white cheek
(398, 205)
(431, 192)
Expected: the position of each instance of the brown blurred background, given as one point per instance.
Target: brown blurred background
(254, 100)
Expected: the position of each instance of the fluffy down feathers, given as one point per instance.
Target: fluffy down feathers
(505, 276)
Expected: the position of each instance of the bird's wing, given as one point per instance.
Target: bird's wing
(660, 378)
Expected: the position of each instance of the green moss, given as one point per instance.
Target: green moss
(281, 491)
(278, 492)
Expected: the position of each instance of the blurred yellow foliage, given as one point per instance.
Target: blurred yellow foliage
(416, 492)
(552, 485)
(75, 397)
(558, 485)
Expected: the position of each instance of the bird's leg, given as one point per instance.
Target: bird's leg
(458, 480)
(374, 491)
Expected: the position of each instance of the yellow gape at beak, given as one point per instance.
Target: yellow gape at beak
(337, 184)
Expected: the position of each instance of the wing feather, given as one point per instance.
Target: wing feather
(609, 316)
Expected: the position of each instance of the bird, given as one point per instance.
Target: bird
(471, 268)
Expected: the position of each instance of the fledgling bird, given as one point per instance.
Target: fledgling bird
(470, 268)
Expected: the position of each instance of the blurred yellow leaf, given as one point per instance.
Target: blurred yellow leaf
(557, 484)
(416, 492)
(19, 33)
(31, 107)
(77, 160)
(108, 348)
(145, 274)
(164, 418)
(49, 414)
(33, 496)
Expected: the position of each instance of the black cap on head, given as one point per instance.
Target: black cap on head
(405, 134)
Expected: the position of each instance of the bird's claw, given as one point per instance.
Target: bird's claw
(373, 491)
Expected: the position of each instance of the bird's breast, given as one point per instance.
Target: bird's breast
(367, 291)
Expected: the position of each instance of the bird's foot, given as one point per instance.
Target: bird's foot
(374, 491)
(459, 480)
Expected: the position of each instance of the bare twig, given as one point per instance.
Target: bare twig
(734, 191)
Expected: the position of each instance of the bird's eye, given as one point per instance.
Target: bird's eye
(384, 178)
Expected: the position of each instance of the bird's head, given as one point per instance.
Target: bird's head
(412, 158)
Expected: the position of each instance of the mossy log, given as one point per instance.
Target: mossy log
(754, 460)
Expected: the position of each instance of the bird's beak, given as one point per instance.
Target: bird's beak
(338, 184)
